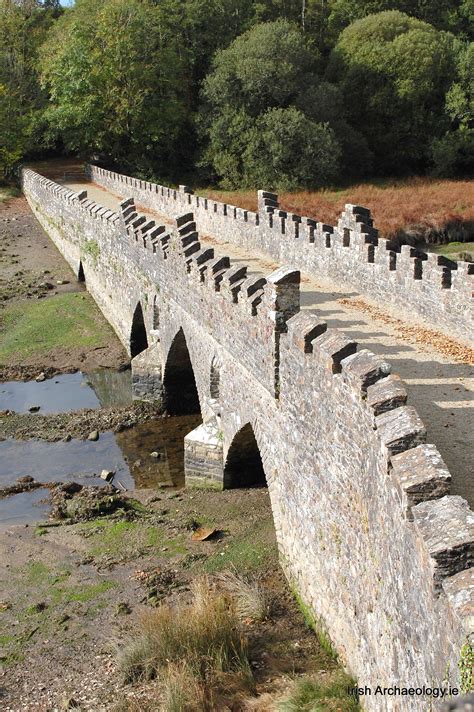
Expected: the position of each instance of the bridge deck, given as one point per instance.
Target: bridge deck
(438, 385)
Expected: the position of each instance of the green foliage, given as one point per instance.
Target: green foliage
(115, 78)
(274, 93)
(268, 66)
(453, 154)
(394, 70)
(257, 135)
(287, 150)
(23, 27)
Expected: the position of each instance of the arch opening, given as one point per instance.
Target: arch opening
(156, 313)
(243, 467)
(181, 395)
(214, 380)
(138, 337)
(81, 277)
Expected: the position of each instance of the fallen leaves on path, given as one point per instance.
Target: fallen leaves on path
(416, 334)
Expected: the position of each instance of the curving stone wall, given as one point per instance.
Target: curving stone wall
(367, 531)
(424, 285)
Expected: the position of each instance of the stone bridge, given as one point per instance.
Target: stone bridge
(372, 529)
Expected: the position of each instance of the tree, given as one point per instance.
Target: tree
(442, 14)
(267, 66)
(394, 71)
(23, 27)
(115, 76)
(256, 134)
(453, 154)
(286, 150)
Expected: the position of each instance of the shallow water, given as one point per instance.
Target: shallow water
(127, 453)
(67, 392)
(23, 508)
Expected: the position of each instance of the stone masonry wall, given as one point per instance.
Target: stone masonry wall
(430, 286)
(367, 531)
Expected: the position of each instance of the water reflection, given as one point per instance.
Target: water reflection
(78, 460)
(164, 436)
(112, 388)
(68, 392)
(127, 453)
(55, 395)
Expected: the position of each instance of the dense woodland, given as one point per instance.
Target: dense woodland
(273, 93)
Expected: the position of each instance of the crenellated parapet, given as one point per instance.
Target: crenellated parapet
(428, 286)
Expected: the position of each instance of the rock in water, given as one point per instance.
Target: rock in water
(40, 378)
(107, 475)
(93, 436)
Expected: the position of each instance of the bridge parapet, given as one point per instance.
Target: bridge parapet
(428, 286)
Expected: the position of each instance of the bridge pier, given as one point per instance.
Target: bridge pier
(147, 376)
(203, 456)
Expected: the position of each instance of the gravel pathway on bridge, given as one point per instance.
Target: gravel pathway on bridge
(438, 384)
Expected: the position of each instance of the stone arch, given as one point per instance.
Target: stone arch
(81, 277)
(180, 391)
(243, 466)
(214, 379)
(138, 335)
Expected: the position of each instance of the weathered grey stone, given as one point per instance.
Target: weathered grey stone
(400, 429)
(460, 592)
(446, 526)
(421, 474)
(386, 394)
(339, 508)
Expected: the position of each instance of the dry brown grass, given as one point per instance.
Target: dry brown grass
(189, 649)
(251, 600)
(419, 206)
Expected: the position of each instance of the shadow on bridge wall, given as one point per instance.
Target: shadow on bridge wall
(181, 396)
(138, 336)
(243, 467)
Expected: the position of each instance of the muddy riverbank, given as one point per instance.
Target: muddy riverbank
(48, 322)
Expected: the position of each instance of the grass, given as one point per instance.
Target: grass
(124, 539)
(309, 695)
(315, 625)
(248, 551)
(421, 205)
(43, 593)
(189, 648)
(63, 321)
(251, 599)
(456, 250)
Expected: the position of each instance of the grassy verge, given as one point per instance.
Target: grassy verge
(456, 250)
(30, 328)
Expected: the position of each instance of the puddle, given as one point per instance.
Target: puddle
(127, 453)
(78, 460)
(164, 436)
(67, 392)
(23, 508)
